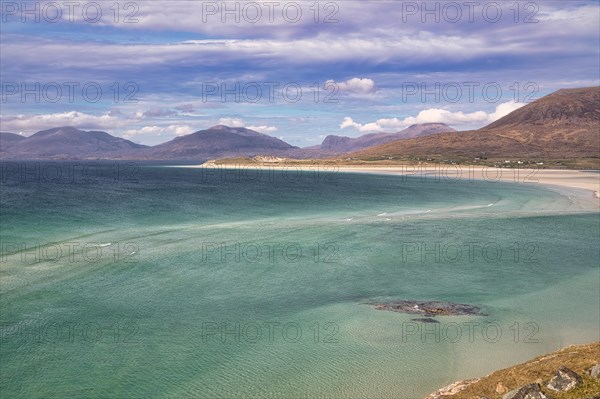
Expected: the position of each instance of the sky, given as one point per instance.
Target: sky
(150, 71)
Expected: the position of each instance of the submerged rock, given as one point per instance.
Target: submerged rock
(431, 308)
(565, 379)
(425, 320)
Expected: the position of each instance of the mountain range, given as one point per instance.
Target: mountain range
(71, 143)
(564, 124)
(338, 145)
(216, 142)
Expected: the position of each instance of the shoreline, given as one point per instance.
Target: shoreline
(557, 178)
(539, 370)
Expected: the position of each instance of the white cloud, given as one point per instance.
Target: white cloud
(143, 131)
(115, 123)
(434, 115)
(177, 130)
(236, 122)
(505, 109)
(356, 85)
(210, 17)
(349, 122)
(263, 129)
(437, 115)
(231, 122)
(213, 53)
(34, 123)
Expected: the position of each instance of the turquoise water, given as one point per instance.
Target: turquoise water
(177, 282)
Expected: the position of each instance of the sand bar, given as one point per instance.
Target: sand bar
(587, 180)
(566, 178)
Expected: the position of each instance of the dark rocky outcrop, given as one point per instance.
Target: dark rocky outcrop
(565, 379)
(531, 391)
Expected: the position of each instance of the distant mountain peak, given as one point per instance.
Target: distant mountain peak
(218, 142)
(62, 129)
(565, 106)
(229, 128)
(342, 144)
(242, 131)
(428, 124)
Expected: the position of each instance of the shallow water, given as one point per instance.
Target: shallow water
(176, 282)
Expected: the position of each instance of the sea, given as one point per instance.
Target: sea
(155, 280)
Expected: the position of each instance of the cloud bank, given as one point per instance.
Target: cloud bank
(433, 115)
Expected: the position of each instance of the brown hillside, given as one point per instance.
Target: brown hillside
(564, 124)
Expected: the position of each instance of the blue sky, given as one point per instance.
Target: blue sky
(378, 65)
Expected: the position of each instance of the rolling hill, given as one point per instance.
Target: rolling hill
(216, 142)
(68, 143)
(564, 124)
